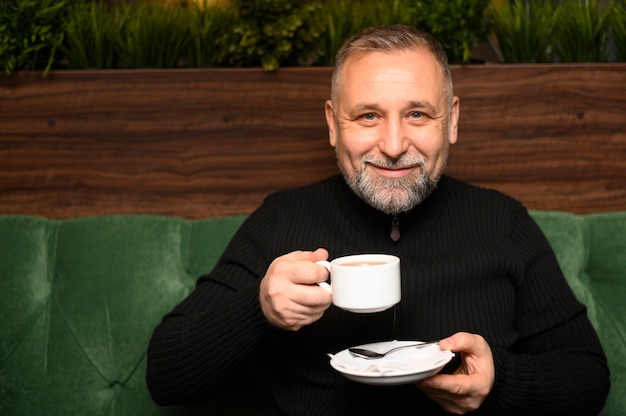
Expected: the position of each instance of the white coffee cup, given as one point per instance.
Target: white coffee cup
(364, 283)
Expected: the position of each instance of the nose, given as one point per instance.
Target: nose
(394, 140)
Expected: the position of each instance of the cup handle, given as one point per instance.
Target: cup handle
(325, 285)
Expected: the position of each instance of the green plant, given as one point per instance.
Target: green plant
(41, 34)
(522, 30)
(458, 24)
(271, 33)
(582, 31)
(93, 37)
(154, 35)
(343, 18)
(618, 30)
(565, 31)
(30, 31)
(207, 24)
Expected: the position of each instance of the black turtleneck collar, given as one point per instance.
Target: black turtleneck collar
(379, 224)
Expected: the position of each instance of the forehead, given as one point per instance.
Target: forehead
(413, 74)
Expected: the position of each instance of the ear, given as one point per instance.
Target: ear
(331, 122)
(454, 120)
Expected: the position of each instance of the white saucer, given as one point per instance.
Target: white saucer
(401, 367)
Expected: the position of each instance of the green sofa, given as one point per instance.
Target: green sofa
(80, 298)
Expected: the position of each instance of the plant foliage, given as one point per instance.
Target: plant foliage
(523, 30)
(267, 33)
(44, 34)
(145, 34)
(274, 32)
(618, 30)
(343, 18)
(582, 31)
(154, 35)
(458, 24)
(208, 26)
(558, 31)
(93, 36)
(30, 30)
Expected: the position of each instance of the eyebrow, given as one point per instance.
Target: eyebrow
(365, 106)
(411, 104)
(423, 104)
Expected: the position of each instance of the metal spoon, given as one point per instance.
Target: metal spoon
(370, 355)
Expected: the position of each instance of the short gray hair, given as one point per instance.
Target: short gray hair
(390, 38)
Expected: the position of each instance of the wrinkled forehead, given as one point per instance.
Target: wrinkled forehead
(414, 67)
(414, 74)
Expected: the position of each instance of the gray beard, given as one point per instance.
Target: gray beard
(392, 196)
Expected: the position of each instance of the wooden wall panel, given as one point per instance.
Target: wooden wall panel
(205, 142)
(554, 136)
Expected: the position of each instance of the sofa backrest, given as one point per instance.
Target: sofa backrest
(79, 299)
(591, 250)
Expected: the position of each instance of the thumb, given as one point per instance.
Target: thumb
(455, 342)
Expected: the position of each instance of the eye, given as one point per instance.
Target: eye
(369, 116)
(415, 115)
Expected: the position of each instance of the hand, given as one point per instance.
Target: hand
(289, 296)
(467, 388)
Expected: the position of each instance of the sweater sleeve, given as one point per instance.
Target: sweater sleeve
(558, 366)
(212, 334)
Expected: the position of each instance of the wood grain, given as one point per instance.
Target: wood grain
(199, 143)
(551, 135)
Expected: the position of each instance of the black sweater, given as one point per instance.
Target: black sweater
(471, 260)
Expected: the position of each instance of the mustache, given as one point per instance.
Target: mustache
(404, 161)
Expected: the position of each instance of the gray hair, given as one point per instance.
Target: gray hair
(389, 38)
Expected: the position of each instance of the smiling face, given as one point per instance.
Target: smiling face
(391, 123)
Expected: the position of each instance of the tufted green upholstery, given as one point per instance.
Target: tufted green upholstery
(591, 250)
(79, 299)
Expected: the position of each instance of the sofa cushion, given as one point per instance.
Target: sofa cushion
(79, 299)
(591, 250)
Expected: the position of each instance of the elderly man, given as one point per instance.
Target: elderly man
(477, 273)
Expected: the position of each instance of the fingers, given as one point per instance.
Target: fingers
(288, 295)
(468, 387)
(317, 255)
(451, 403)
(299, 266)
(457, 394)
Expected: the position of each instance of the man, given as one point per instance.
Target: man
(477, 272)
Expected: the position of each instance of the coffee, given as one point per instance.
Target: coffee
(363, 263)
(363, 283)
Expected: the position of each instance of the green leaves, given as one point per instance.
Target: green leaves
(558, 31)
(270, 33)
(93, 36)
(154, 36)
(523, 30)
(340, 19)
(582, 31)
(30, 31)
(458, 24)
(618, 30)
(42, 34)
(37, 34)
(208, 28)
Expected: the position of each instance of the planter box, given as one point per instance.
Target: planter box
(206, 142)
